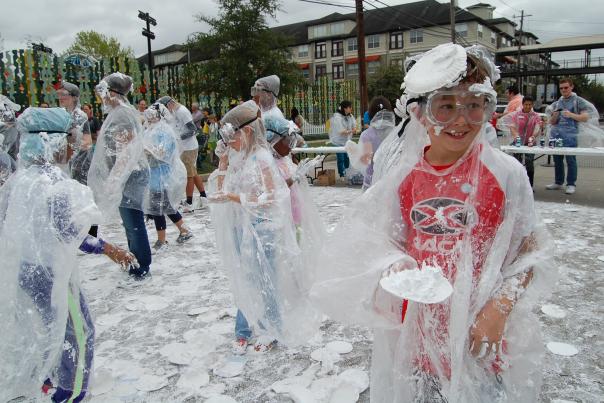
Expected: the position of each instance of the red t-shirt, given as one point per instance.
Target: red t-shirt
(437, 204)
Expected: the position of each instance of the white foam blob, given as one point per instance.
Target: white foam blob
(357, 378)
(426, 285)
(562, 401)
(221, 399)
(549, 221)
(601, 258)
(324, 354)
(149, 383)
(340, 347)
(193, 380)
(553, 310)
(571, 209)
(344, 393)
(213, 389)
(562, 349)
(323, 387)
(102, 382)
(230, 368)
(177, 353)
(335, 205)
(124, 390)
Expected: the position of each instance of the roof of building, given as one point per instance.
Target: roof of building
(559, 45)
(420, 14)
(480, 5)
(194, 55)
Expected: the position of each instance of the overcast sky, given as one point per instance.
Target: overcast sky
(55, 22)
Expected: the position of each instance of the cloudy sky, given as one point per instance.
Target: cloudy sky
(55, 22)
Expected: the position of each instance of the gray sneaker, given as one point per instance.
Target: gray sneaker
(159, 246)
(184, 237)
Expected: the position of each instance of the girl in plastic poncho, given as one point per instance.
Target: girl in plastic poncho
(45, 323)
(167, 174)
(455, 203)
(382, 124)
(119, 172)
(255, 234)
(310, 232)
(342, 126)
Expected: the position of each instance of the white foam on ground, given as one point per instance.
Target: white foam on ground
(177, 353)
(194, 379)
(102, 382)
(549, 221)
(149, 383)
(553, 311)
(340, 347)
(231, 367)
(426, 285)
(221, 399)
(197, 311)
(562, 349)
(601, 258)
(325, 355)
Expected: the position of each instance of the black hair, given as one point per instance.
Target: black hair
(294, 114)
(528, 98)
(344, 105)
(513, 89)
(377, 104)
(206, 109)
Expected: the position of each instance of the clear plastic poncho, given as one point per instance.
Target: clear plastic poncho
(573, 133)
(256, 238)
(167, 173)
(9, 135)
(340, 128)
(80, 161)
(119, 171)
(45, 216)
(476, 221)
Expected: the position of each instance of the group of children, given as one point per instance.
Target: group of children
(440, 195)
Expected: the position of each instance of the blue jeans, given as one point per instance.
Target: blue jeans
(138, 242)
(343, 163)
(242, 328)
(571, 177)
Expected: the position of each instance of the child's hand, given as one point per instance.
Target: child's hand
(406, 263)
(488, 328)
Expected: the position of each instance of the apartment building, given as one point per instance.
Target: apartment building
(328, 46)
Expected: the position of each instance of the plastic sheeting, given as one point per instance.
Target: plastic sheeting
(119, 171)
(44, 218)
(256, 238)
(167, 173)
(81, 144)
(475, 220)
(341, 128)
(583, 134)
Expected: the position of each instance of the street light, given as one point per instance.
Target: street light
(149, 35)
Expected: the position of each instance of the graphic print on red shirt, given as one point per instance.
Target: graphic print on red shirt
(437, 206)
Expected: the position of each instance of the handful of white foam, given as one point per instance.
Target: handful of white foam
(426, 285)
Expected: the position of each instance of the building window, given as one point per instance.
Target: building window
(320, 71)
(306, 73)
(493, 38)
(320, 50)
(373, 67)
(338, 28)
(416, 36)
(462, 30)
(479, 31)
(396, 40)
(303, 51)
(338, 71)
(373, 41)
(352, 44)
(352, 69)
(319, 31)
(337, 48)
(397, 63)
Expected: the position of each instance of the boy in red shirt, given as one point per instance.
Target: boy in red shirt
(455, 203)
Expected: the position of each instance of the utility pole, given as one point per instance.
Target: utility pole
(361, 53)
(520, 35)
(150, 35)
(452, 18)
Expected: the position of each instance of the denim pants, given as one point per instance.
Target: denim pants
(75, 366)
(343, 163)
(138, 242)
(571, 162)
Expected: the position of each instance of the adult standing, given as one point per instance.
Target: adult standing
(568, 112)
(197, 116)
(119, 173)
(265, 92)
(185, 133)
(342, 127)
(514, 100)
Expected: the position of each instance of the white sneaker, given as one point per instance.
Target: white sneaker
(159, 247)
(570, 189)
(185, 207)
(199, 203)
(553, 186)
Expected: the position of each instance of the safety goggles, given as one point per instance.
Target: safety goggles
(257, 91)
(228, 131)
(274, 137)
(444, 107)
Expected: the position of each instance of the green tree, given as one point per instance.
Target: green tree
(386, 82)
(240, 47)
(591, 90)
(97, 45)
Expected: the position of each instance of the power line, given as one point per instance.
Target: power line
(566, 22)
(507, 5)
(326, 3)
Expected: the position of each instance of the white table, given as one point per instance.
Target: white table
(592, 151)
(318, 150)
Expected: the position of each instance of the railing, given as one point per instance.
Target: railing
(561, 64)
